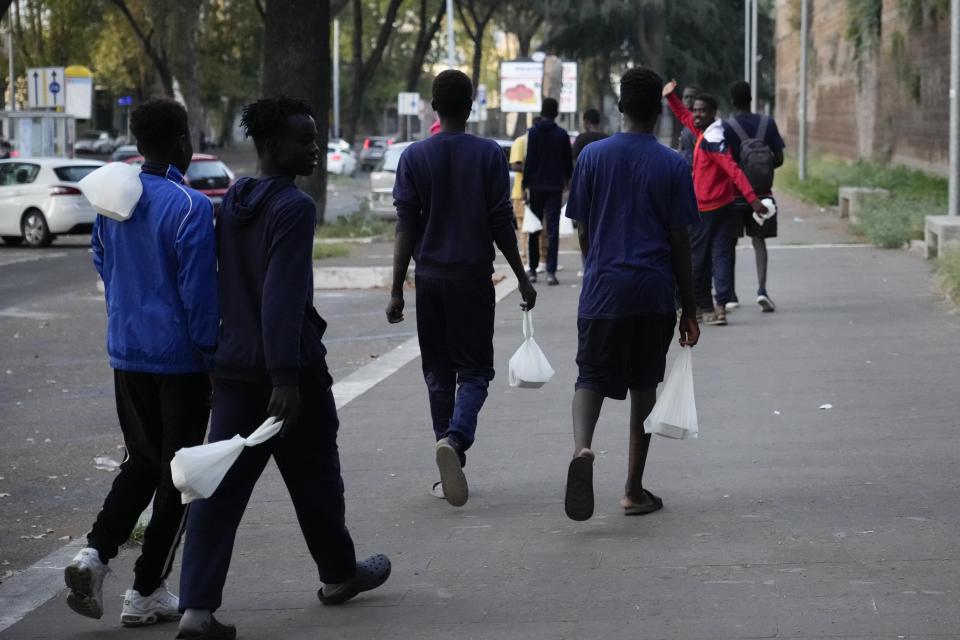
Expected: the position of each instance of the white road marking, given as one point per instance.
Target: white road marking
(16, 312)
(18, 259)
(34, 586)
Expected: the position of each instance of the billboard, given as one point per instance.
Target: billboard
(521, 85)
(568, 88)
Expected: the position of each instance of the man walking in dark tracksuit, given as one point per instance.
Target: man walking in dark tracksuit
(159, 271)
(546, 174)
(453, 204)
(270, 361)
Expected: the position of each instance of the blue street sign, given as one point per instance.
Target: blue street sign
(125, 101)
(54, 87)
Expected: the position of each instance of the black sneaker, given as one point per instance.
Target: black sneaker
(214, 630)
(552, 280)
(532, 275)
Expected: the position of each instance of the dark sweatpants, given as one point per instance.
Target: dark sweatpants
(545, 205)
(711, 248)
(455, 328)
(159, 413)
(309, 462)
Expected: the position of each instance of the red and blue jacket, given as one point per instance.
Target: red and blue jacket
(716, 176)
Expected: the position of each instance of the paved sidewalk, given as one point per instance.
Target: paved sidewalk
(782, 521)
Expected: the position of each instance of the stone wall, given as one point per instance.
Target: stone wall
(891, 103)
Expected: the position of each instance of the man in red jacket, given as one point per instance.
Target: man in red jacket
(716, 181)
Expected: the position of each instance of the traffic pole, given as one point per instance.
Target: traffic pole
(802, 110)
(336, 78)
(754, 28)
(953, 202)
(13, 81)
(746, 40)
(451, 46)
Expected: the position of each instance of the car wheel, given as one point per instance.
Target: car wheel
(35, 231)
(13, 241)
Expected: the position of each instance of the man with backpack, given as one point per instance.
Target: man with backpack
(756, 145)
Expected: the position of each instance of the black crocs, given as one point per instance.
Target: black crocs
(215, 630)
(371, 573)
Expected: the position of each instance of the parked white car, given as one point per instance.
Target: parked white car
(340, 161)
(382, 178)
(39, 199)
(95, 142)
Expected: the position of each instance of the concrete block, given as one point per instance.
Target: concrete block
(941, 232)
(851, 199)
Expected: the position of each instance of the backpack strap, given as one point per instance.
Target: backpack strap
(762, 128)
(737, 129)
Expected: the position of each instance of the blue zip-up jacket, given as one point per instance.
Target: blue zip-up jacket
(159, 271)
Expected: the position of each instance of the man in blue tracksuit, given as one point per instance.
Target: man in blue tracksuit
(159, 270)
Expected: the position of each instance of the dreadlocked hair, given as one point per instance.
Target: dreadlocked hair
(267, 117)
(641, 91)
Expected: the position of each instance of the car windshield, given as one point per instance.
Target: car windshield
(74, 174)
(208, 174)
(391, 160)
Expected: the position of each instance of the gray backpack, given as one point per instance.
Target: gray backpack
(756, 157)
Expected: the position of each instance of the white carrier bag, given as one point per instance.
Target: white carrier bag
(529, 368)
(531, 223)
(675, 413)
(566, 224)
(198, 471)
(113, 190)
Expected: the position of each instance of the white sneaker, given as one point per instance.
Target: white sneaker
(139, 611)
(541, 267)
(732, 306)
(84, 577)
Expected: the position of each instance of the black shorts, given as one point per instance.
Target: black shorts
(618, 354)
(748, 226)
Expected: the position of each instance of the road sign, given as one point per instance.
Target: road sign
(78, 91)
(44, 88)
(125, 101)
(408, 104)
(482, 95)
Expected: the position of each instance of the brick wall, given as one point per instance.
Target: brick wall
(892, 105)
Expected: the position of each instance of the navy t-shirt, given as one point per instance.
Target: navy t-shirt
(453, 192)
(751, 125)
(630, 192)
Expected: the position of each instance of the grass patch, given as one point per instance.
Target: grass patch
(889, 223)
(948, 274)
(356, 225)
(322, 251)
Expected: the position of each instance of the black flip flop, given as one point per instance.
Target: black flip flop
(371, 573)
(578, 502)
(655, 504)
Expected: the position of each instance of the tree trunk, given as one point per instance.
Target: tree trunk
(424, 39)
(296, 62)
(478, 56)
(186, 19)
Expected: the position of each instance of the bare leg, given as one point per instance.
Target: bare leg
(586, 413)
(760, 250)
(641, 404)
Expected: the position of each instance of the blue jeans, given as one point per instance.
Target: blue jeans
(455, 329)
(711, 246)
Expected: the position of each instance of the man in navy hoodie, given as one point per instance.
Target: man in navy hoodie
(546, 173)
(271, 361)
(452, 196)
(159, 271)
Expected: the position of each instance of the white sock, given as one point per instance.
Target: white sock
(195, 619)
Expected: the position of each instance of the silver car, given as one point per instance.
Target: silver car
(382, 179)
(39, 199)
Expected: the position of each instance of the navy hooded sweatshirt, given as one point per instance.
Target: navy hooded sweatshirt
(549, 162)
(268, 323)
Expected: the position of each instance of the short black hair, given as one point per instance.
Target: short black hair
(697, 89)
(550, 108)
(740, 94)
(452, 93)
(592, 116)
(267, 117)
(709, 99)
(641, 92)
(158, 124)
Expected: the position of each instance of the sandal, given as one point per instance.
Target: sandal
(631, 508)
(371, 573)
(578, 502)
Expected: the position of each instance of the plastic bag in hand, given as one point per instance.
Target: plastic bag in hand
(675, 413)
(566, 224)
(198, 471)
(531, 223)
(529, 368)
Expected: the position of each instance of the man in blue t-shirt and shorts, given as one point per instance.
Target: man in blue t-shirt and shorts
(637, 254)
(743, 123)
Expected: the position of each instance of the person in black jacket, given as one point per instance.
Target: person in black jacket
(270, 361)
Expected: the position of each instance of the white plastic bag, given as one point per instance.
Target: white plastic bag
(198, 471)
(114, 189)
(675, 414)
(529, 368)
(531, 223)
(566, 224)
(771, 206)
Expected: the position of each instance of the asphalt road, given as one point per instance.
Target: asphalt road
(57, 412)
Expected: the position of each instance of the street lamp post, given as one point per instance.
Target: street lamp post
(953, 202)
(804, 54)
(451, 45)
